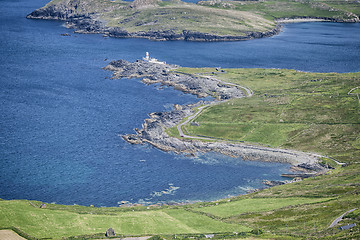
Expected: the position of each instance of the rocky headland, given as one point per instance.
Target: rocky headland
(181, 21)
(154, 128)
(93, 24)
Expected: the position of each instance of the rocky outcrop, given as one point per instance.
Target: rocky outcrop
(206, 37)
(167, 75)
(273, 183)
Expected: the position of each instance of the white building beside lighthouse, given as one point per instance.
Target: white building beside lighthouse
(147, 58)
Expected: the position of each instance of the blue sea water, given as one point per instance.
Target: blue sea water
(61, 115)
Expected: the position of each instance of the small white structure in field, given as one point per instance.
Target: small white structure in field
(147, 58)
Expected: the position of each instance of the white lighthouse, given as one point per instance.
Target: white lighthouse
(147, 58)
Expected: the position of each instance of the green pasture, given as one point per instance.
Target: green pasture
(292, 9)
(290, 109)
(255, 205)
(55, 224)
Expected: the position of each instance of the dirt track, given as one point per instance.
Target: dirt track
(9, 235)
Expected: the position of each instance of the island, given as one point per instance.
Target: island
(205, 21)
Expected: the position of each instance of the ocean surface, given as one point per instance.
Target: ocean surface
(61, 115)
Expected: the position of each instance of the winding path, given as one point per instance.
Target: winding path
(340, 218)
(248, 90)
(179, 127)
(349, 93)
(190, 118)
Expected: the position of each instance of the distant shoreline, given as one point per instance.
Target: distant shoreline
(174, 21)
(299, 20)
(87, 25)
(309, 19)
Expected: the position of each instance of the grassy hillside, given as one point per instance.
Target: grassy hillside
(290, 109)
(273, 9)
(180, 16)
(235, 18)
(317, 112)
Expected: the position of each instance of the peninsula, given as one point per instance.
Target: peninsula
(165, 130)
(204, 21)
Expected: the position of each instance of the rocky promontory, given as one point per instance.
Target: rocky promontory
(154, 128)
(166, 74)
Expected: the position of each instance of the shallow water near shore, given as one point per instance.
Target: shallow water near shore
(62, 115)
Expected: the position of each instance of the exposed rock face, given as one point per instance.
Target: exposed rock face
(74, 13)
(153, 131)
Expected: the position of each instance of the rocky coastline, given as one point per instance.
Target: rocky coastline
(153, 130)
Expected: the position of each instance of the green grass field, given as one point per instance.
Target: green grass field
(292, 9)
(290, 109)
(54, 223)
(256, 205)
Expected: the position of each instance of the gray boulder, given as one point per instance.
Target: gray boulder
(110, 233)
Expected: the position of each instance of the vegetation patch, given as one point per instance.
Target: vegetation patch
(255, 205)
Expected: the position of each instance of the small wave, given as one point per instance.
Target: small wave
(169, 191)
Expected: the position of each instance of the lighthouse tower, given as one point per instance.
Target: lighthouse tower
(147, 56)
